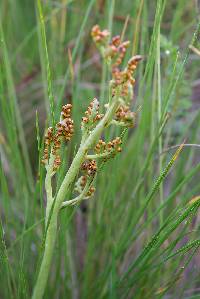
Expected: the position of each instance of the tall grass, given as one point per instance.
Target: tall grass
(139, 236)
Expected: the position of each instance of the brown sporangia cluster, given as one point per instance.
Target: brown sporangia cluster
(125, 115)
(92, 115)
(56, 152)
(80, 185)
(125, 78)
(65, 127)
(111, 148)
(100, 37)
(114, 52)
(90, 167)
(47, 142)
(63, 131)
(122, 80)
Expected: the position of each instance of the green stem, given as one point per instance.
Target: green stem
(48, 187)
(78, 198)
(98, 156)
(68, 180)
(46, 260)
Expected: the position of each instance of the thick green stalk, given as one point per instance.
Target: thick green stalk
(46, 260)
(69, 178)
(48, 187)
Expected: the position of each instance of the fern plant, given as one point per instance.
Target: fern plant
(92, 148)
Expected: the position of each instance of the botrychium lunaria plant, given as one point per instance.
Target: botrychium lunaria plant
(92, 146)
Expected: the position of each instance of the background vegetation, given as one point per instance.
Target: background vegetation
(139, 236)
